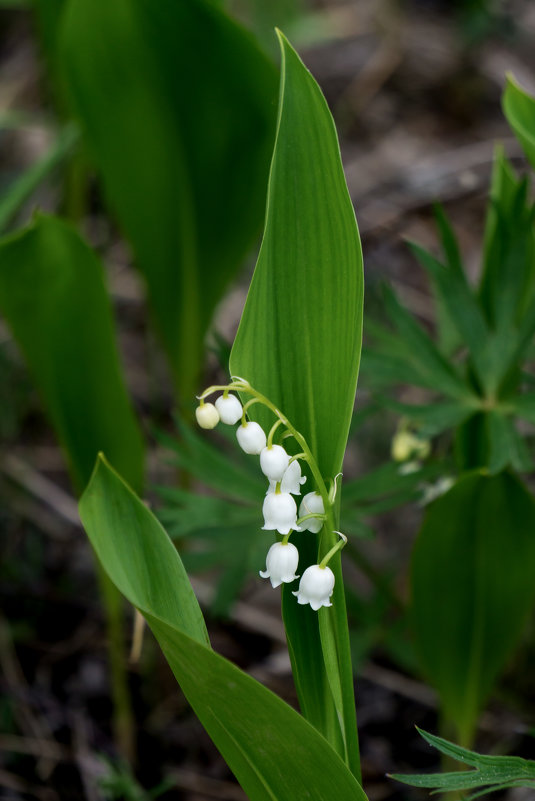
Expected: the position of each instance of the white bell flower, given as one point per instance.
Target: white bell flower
(292, 478)
(207, 415)
(229, 408)
(312, 503)
(251, 438)
(280, 512)
(274, 461)
(316, 587)
(281, 563)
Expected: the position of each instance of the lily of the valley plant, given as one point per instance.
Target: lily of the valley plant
(285, 478)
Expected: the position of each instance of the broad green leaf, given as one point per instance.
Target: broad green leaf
(472, 589)
(274, 753)
(22, 187)
(491, 772)
(519, 108)
(47, 16)
(53, 297)
(176, 103)
(299, 343)
(300, 334)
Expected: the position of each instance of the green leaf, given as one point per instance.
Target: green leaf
(53, 297)
(460, 302)
(472, 589)
(272, 750)
(519, 108)
(447, 334)
(506, 446)
(23, 187)
(491, 772)
(507, 281)
(299, 343)
(433, 418)
(213, 466)
(382, 370)
(524, 406)
(423, 353)
(176, 103)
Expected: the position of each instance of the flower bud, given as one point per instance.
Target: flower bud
(281, 563)
(405, 445)
(280, 512)
(229, 408)
(207, 415)
(251, 438)
(316, 587)
(312, 503)
(273, 462)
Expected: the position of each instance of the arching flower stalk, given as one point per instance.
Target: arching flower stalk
(285, 480)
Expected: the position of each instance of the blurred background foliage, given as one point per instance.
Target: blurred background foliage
(141, 136)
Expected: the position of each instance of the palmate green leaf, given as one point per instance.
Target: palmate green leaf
(524, 406)
(385, 480)
(507, 282)
(210, 464)
(220, 534)
(434, 418)
(422, 351)
(274, 753)
(53, 297)
(519, 108)
(505, 445)
(447, 334)
(491, 772)
(472, 589)
(406, 355)
(176, 102)
(299, 343)
(461, 304)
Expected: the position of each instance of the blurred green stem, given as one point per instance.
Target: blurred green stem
(123, 720)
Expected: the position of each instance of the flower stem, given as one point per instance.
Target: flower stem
(339, 545)
(272, 432)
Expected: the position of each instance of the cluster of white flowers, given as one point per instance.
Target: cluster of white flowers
(280, 508)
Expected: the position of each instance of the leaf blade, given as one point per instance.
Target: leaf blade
(53, 296)
(249, 724)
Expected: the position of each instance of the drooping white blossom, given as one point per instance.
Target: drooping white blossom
(207, 415)
(251, 438)
(292, 478)
(274, 461)
(312, 503)
(281, 563)
(316, 587)
(280, 512)
(229, 408)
